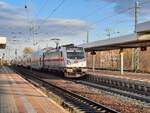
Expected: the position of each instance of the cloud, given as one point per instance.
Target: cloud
(61, 27)
(14, 21)
(25, 32)
(123, 5)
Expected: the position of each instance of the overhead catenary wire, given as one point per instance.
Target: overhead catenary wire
(41, 8)
(60, 3)
(53, 11)
(110, 16)
(113, 15)
(26, 9)
(99, 9)
(99, 21)
(120, 12)
(29, 24)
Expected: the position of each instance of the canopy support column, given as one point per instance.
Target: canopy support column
(93, 66)
(121, 62)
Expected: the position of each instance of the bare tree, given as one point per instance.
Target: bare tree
(27, 50)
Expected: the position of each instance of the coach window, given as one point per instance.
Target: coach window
(61, 54)
(40, 61)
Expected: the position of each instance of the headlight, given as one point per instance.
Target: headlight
(69, 70)
(84, 70)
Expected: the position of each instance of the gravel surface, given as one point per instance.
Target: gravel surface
(145, 77)
(120, 103)
(117, 102)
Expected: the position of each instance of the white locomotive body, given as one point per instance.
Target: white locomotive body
(69, 60)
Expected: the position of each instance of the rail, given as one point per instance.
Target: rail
(83, 103)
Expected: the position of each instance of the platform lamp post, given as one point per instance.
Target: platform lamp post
(109, 34)
(136, 51)
(108, 31)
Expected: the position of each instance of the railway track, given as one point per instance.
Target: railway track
(73, 99)
(130, 88)
(138, 87)
(121, 87)
(117, 91)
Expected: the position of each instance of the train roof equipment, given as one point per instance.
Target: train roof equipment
(68, 45)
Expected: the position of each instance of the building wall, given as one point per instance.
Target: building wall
(145, 60)
(111, 60)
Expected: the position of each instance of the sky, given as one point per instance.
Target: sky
(67, 20)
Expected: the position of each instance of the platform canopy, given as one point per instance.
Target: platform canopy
(127, 41)
(143, 27)
(2, 42)
(139, 39)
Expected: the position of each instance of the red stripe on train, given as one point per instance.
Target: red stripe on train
(53, 59)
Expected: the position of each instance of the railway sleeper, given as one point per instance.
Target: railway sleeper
(124, 85)
(148, 89)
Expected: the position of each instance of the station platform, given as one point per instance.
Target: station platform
(142, 77)
(19, 96)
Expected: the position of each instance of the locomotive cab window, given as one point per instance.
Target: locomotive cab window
(75, 53)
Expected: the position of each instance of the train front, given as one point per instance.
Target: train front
(75, 62)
